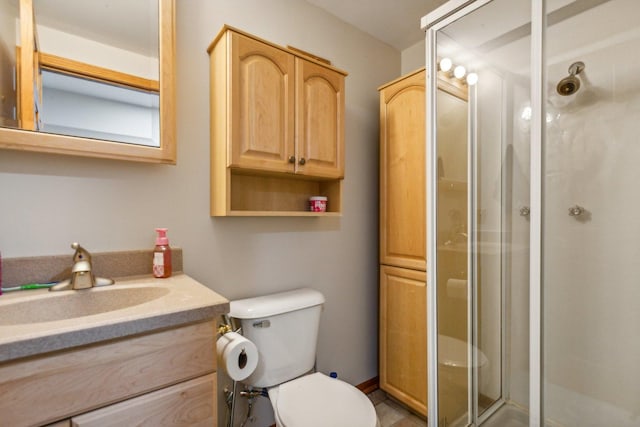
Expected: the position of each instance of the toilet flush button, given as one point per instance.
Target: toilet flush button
(262, 324)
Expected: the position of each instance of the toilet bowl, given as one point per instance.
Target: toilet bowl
(454, 353)
(284, 329)
(317, 400)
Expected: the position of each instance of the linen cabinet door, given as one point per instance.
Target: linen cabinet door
(402, 173)
(261, 95)
(319, 120)
(403, 336)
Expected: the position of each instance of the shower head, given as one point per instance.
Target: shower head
(570, 84)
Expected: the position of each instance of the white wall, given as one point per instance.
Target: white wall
(49, 201)
(591, 292)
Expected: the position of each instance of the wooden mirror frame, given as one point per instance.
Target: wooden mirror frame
(18, 139)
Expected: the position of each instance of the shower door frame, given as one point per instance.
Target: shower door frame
(431, 24)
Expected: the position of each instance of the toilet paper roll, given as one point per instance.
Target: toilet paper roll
(457, 288)
(237, 356)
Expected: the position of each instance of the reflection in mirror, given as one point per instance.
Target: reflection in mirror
(95, 109)
(9, 15)
(100, 70)
(102, 47)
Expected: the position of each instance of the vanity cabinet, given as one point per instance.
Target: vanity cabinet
(403, 334)
(277, 128)
(157, 378)
(180, 404)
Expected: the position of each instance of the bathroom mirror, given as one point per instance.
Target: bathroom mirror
(77, 64)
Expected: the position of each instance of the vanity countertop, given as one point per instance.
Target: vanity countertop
(177, 300)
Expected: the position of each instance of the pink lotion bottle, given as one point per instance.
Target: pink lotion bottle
(162, 255)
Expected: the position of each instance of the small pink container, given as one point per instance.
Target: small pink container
(318, 204)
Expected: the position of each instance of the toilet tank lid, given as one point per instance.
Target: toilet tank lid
(273, 304)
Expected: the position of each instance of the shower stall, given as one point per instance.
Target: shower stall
(533, 294)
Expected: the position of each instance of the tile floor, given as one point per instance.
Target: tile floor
(392, 414)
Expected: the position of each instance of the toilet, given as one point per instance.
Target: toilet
(284, 328)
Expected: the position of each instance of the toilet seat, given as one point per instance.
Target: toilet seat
(454, 353)
(316, 400)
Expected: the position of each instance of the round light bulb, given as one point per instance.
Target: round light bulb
(445, 64)
(472, 78)
(459, 71)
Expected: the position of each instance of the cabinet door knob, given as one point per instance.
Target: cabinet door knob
(302, 161)
(292, 159)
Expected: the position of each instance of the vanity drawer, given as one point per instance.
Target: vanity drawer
(52, 387)
(191, 403)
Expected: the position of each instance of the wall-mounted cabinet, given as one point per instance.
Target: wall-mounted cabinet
(277, 129)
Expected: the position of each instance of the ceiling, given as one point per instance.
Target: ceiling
(396, 23)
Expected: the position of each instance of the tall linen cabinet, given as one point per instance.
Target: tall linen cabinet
(403, 335)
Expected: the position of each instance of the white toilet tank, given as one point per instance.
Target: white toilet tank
(284, 328)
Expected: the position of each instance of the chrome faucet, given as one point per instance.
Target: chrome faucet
(82, 276)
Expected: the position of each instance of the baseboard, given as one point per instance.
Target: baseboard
(369, 385)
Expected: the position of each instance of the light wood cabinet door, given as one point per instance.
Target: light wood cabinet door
(262, 96)
(192, 403)
(403, 336)
(319, 120)
(402, 173)
(70, 382)
(277, 128)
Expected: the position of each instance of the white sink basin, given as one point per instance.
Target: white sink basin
(68, 305)
(38, 321)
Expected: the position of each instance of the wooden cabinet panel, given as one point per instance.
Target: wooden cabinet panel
(402, 173)
(320, 123)
(403, 336)
(262, 88)
(192, 403)
(70, 382)
(277, 116)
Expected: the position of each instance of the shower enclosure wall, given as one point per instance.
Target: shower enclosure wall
(538, 321)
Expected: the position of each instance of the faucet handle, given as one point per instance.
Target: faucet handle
(81, 253)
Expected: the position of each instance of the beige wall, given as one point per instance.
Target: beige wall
(413, 57)
(49, 201)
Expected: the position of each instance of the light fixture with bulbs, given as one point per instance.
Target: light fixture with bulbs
(459, 72)
(447, 66)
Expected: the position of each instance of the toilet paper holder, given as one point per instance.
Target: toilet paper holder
(228, 325)
(224, 328)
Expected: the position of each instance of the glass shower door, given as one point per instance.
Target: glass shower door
(481, 201)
